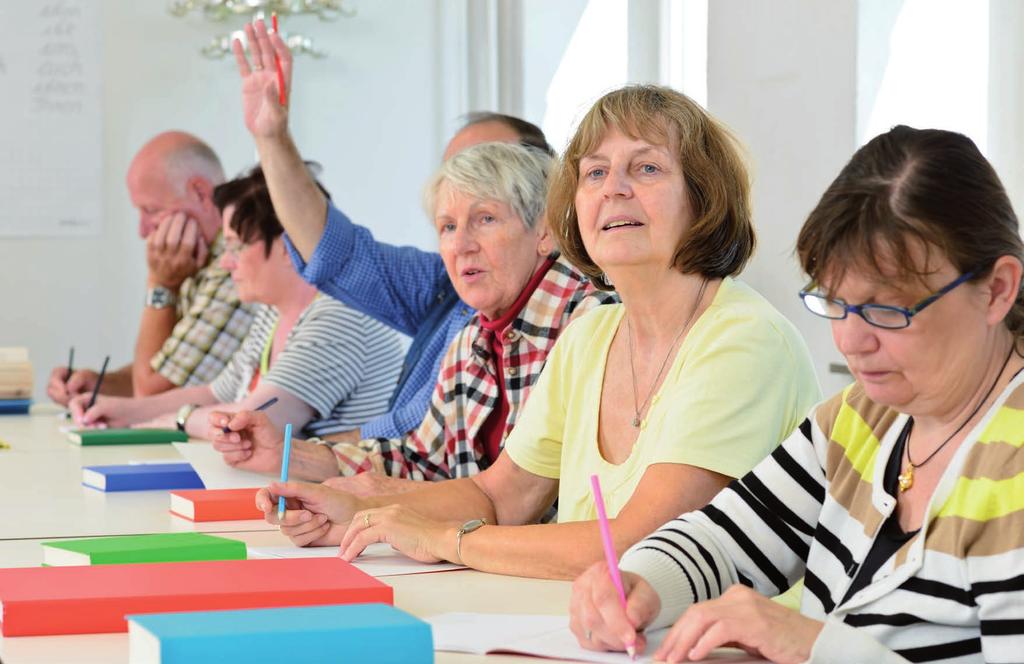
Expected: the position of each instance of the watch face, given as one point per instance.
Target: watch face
(159, 297)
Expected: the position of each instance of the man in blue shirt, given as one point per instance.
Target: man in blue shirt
(406, 288)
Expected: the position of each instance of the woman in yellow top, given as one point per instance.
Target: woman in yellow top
(667, 397)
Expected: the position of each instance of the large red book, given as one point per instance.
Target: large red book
(215, 504)
(85, 600)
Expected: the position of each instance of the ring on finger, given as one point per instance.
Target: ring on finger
(589, 635)
(366, 519)
(257, 67)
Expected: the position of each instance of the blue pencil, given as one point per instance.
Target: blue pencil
(285, 456)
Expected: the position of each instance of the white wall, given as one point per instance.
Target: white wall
(368, 113)
(782, 75)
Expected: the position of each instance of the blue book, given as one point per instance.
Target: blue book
(14, 406)
(376, 633)
(141, 477)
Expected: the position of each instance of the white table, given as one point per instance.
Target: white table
(42, 495)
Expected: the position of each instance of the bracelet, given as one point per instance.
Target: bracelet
(468, 527)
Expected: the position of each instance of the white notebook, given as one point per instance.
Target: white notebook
(540, 636)
(209, 465)
(377, 560)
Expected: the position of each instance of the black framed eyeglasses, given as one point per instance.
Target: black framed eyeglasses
(880, 315)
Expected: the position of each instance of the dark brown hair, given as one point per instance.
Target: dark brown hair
(530, 134)
(720, 239)
(925, 188)
(254, 218)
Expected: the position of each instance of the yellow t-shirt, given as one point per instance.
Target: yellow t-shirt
(741, 381)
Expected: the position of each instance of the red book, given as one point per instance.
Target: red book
(215, 504)
(85, 600)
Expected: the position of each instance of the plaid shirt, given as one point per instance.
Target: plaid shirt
(446, 444)
(211, 325)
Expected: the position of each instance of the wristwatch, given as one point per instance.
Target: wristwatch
(465, 529)
(159, 297)
(183, 414)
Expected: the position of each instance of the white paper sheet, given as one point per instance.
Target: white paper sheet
(542, 636)
(377, 560)
(216, 474)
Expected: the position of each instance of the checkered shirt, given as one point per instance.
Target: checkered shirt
(211, 325)
(446, 444)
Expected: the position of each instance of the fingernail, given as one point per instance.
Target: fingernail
(306, 516)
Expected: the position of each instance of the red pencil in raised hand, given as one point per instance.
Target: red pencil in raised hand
(282, 97)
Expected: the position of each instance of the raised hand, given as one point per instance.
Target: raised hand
(265, 117)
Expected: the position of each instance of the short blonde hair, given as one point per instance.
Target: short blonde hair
(513, 174)
(721, 238)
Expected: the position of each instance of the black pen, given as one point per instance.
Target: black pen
(99, 381)
(71, 365)
(263, 406)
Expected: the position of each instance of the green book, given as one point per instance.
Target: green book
(126, 436)
(159, 548)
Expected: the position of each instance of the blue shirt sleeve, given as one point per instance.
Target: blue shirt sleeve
(395, 285)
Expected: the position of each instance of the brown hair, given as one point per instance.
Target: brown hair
(908, 187)
(254, 218)
(720, 239)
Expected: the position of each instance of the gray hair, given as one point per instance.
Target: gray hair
(191, 159)
(512, 174)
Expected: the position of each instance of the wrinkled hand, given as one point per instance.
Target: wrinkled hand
(745, 619)
(405, 530)
(254, 443)
(372, 484)
(175, 251)
(80, 382)
(596, 616)
(265, 117)
(315, 515)
(107, 411)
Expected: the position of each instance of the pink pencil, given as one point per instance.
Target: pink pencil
(609, 551)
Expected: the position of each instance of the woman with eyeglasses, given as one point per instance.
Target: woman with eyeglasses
(329, 367)
(900, 500)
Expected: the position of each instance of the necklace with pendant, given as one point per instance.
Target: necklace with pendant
(639, 408)
(906, 478)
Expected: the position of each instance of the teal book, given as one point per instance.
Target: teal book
(159, 548)
(126, 436)
(376, 633)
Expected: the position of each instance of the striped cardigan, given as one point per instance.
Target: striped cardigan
(953, 593)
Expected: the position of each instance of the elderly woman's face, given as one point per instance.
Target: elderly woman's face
(631, 202)
(488, 251)
(919, 369)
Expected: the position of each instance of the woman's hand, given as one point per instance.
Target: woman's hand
(265, 117)
(406, 531)
(596, 616)
(372, 484)
(741, 618)
(253, 442)
(315, 515)
(106, 412)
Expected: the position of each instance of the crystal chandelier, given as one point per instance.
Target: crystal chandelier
(223, 10)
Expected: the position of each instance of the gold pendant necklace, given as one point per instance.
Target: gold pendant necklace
(906, 478)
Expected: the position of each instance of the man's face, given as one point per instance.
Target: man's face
(482, 132)
(155, 198)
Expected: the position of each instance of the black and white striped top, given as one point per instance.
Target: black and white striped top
(341, 363)
(953, 592)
